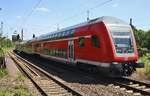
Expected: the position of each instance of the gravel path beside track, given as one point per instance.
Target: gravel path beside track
(15, 74)
(12, 69)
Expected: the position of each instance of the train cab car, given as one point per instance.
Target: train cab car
(105, 43)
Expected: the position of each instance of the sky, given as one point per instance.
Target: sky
(43, 16)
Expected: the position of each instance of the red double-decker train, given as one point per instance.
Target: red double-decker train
(104, 43)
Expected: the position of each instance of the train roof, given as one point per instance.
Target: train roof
(108, 20)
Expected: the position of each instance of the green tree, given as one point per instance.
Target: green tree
(5, 42)
(147, 40)
(142, 37)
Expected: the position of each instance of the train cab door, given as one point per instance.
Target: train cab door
(71, 51)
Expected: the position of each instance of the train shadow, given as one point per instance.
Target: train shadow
(67, 73)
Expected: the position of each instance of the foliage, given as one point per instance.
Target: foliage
(2, 58)
(142, 38)
(143, 73)
(147, 43)
(146, 60)
(5, 43)
(1, 52)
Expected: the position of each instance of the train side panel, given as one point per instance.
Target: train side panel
(103, 52)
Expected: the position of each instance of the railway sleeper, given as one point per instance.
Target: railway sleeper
(131, 89)
(58, 93)
(146, 89)
(141, 87)
(57, 90)
(134, 85)
(137, 94)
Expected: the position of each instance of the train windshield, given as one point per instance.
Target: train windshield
(122, 38)
(122, 42)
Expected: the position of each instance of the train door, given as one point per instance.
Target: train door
(71, 51)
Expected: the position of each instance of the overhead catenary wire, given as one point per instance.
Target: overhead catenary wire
(29, 14)
(48, 27)
(25, 19)
(82, 12)
(94, 7)
(101, 4)
(6, 25)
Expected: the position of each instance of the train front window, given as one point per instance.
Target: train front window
(122, 42)
(122, 38)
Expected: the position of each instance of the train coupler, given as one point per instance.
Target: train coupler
(139, 65)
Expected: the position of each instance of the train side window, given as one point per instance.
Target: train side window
(55, 36)
(81, 42)
(37, 45)
(95, 41)
(52, 36)
(65, 34)
(71, 32)
(61, 34)
(53, 52)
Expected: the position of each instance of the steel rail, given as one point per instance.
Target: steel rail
(26, 74)
(127, 83)
(74, 92)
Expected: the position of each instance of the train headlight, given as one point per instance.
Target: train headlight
(115, 63)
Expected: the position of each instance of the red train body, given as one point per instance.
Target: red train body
(105, 42)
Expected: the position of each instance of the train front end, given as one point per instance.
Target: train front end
(125, 60)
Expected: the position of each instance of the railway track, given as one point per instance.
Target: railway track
(133, 86)
(43, 81)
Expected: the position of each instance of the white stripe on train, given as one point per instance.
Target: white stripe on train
(63, 60)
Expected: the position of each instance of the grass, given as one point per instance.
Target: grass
(18, 90)
(21, 77)
(3, 72)
(144, 72)
(4, 93)
(16, 87)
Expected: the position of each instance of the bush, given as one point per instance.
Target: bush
(1, 52)
(142, 49)
(146, 60)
